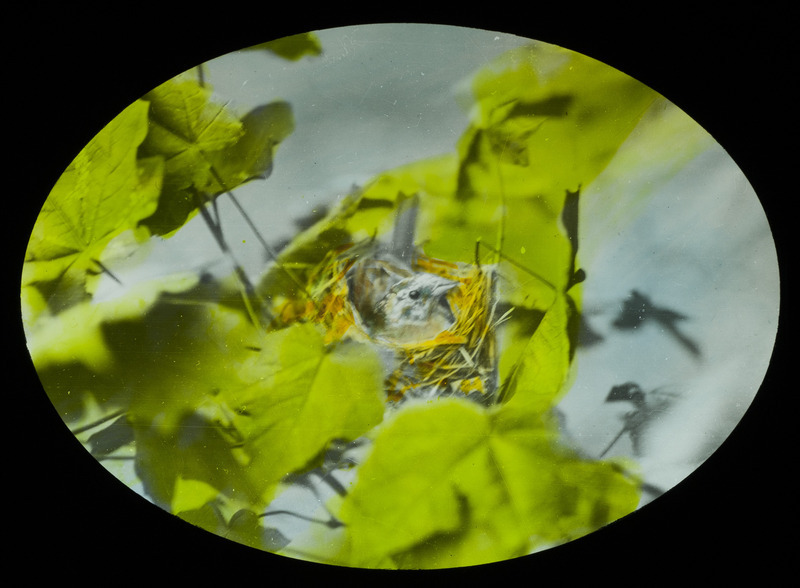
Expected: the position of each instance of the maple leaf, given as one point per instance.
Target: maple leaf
(106, 190)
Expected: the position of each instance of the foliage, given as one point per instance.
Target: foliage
(154, 166)
(452, 485)
(233, 393)
(206, 149)
(293, 47)
(107, 190)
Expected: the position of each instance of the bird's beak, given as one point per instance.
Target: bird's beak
(443, 286)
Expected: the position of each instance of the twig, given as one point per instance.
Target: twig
(215, 227)
(332, 523)
(520, 266)
(270, 252)
(99, 422)
(613, 442)
(105, 270)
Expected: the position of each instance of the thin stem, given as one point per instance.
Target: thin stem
(335, 485)
(249, 291)
(651, 489)
(105, 270)
(256, 232)
(613, 442)
(501, 231)
(520, 266)
(266, 246)
(332, 523)
(99, 422)
(252, 225)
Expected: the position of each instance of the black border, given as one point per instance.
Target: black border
(73, 69)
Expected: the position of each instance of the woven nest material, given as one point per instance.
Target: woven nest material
(460, 361)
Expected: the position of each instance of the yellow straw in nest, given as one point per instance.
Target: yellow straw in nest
(462, 358)
(459, 359)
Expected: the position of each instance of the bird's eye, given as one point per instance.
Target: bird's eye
(414, 294)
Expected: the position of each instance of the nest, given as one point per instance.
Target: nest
(458, 361)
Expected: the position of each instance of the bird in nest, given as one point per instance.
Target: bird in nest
(396, 303)
(436, 316)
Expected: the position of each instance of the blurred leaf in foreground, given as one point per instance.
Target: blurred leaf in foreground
(460, 485)
(244, 526)
(79, 333)
(451, 484)
(545, 120)
(303, 396)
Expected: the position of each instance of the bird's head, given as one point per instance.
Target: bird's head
(416, 308)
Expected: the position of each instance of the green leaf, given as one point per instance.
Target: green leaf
(105, 191)
(405, 490)
(196, 449)
(79, 333)
(303, 395)
(251, 156)
(547, 120)
(293, 47)
(185, 123)
(244, 527)
(451, 484)
(539, 371)
(161, 352)
(207, 149)
(186, 349)
(186, 127)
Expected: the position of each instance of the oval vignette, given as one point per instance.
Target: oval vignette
(655, 270)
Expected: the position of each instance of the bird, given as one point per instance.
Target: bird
(396, 302)
(414, 309)
(431, 320)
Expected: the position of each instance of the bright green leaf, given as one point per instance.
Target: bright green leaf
(184, 120)
(556, 494)
(105, 191)
(539, 371)
(451, 484)
(207, 149)
(191, 494)
(304, 395)
(405, 491)
(186, 127)
(547, 120)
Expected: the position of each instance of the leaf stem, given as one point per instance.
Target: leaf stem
(613, 442)
(520, 266)
(270, 252)
(332, 523)
(249, 292)
(99, 422)
(107, 271)
(501, 230)
(256, 232)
